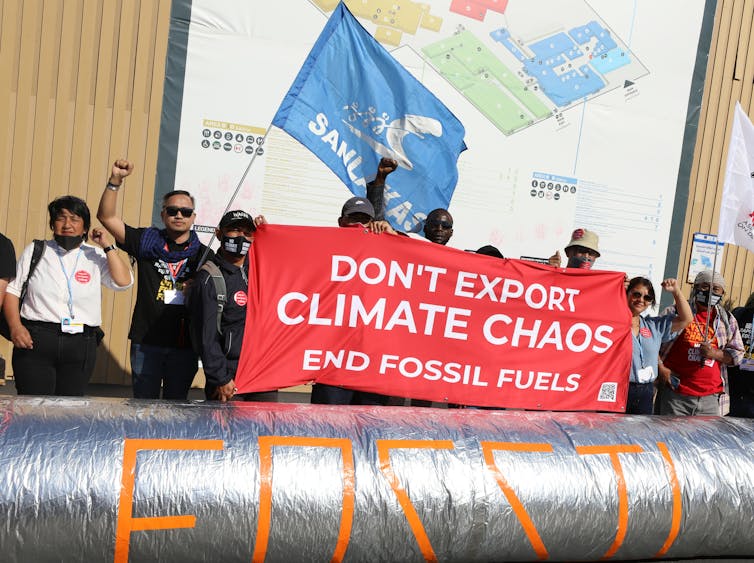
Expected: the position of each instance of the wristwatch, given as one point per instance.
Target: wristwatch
(109, 248)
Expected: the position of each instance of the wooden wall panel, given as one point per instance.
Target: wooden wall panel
(80, 85)
(730, 78)
(10, 40)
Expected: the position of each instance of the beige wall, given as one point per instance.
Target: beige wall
(81, 84)
(730, 77)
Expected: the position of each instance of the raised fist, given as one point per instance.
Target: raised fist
(386, 166)
(99, 237)
(670, 285)
(121, 169)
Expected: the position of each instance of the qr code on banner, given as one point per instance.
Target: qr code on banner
(608, 392)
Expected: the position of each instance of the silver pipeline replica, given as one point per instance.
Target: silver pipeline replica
(99, 480)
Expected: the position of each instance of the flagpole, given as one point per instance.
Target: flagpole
(235, 194)
(709, 294)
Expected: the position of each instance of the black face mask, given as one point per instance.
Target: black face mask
(68, 242)
(236, 245)
(581, 262)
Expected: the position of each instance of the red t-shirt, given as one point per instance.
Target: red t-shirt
(697, 378)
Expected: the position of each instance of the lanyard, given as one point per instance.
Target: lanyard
(174, 270)
(700, 327)
(640, 343)
(245, 278)
(68, 280)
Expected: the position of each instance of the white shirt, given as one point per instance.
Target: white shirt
(47, 296)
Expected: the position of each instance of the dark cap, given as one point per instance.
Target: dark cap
(237, 217)
(357, 205)
(489, 250)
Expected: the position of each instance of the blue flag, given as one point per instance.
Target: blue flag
(352, 103)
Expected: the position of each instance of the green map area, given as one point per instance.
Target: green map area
(492, 87)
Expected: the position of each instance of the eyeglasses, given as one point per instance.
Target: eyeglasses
(636, 295)
(172, 211)
(443, 224)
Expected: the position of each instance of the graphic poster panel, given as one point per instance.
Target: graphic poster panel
(575, 114)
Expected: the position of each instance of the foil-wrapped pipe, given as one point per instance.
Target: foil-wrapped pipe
(119, 480)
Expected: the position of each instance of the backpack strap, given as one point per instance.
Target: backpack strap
(36, 256)
(220, 290)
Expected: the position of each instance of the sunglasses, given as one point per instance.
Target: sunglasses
(637, 295)
(172, 211)
(443, 224)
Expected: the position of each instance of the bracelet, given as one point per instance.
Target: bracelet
(109, 248)
(113, 187)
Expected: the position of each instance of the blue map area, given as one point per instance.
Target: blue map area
(584, 34)
(569, 66)
(613, 59)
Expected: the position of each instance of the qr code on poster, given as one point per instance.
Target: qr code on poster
(608, 392)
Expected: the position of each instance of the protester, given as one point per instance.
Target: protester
(220, 346)
(56, 332)
(376, 188)
(356, 212)
(582, 251)
(489, 250)
(742, 376)
(359, 212)
(648, 335)
(699, 356)
(438, 227)
(7, 273)
(161, 353)
(486, 250)
(7, 265)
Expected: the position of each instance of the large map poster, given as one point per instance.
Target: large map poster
(575, 114)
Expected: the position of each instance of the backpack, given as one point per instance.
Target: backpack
(36, 256)
(221, 292)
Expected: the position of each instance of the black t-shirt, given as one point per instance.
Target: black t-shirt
(7, 258)
(154, 321)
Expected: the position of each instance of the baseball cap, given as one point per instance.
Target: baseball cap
(357, 205)
(237, 216)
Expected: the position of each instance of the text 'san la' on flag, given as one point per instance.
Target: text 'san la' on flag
(737, 207)
(352, 103)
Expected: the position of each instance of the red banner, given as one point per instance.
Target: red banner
(407, 318)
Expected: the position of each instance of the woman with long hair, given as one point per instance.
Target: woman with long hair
(648, 334)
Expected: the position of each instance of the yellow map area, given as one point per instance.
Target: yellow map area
(392, 17)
